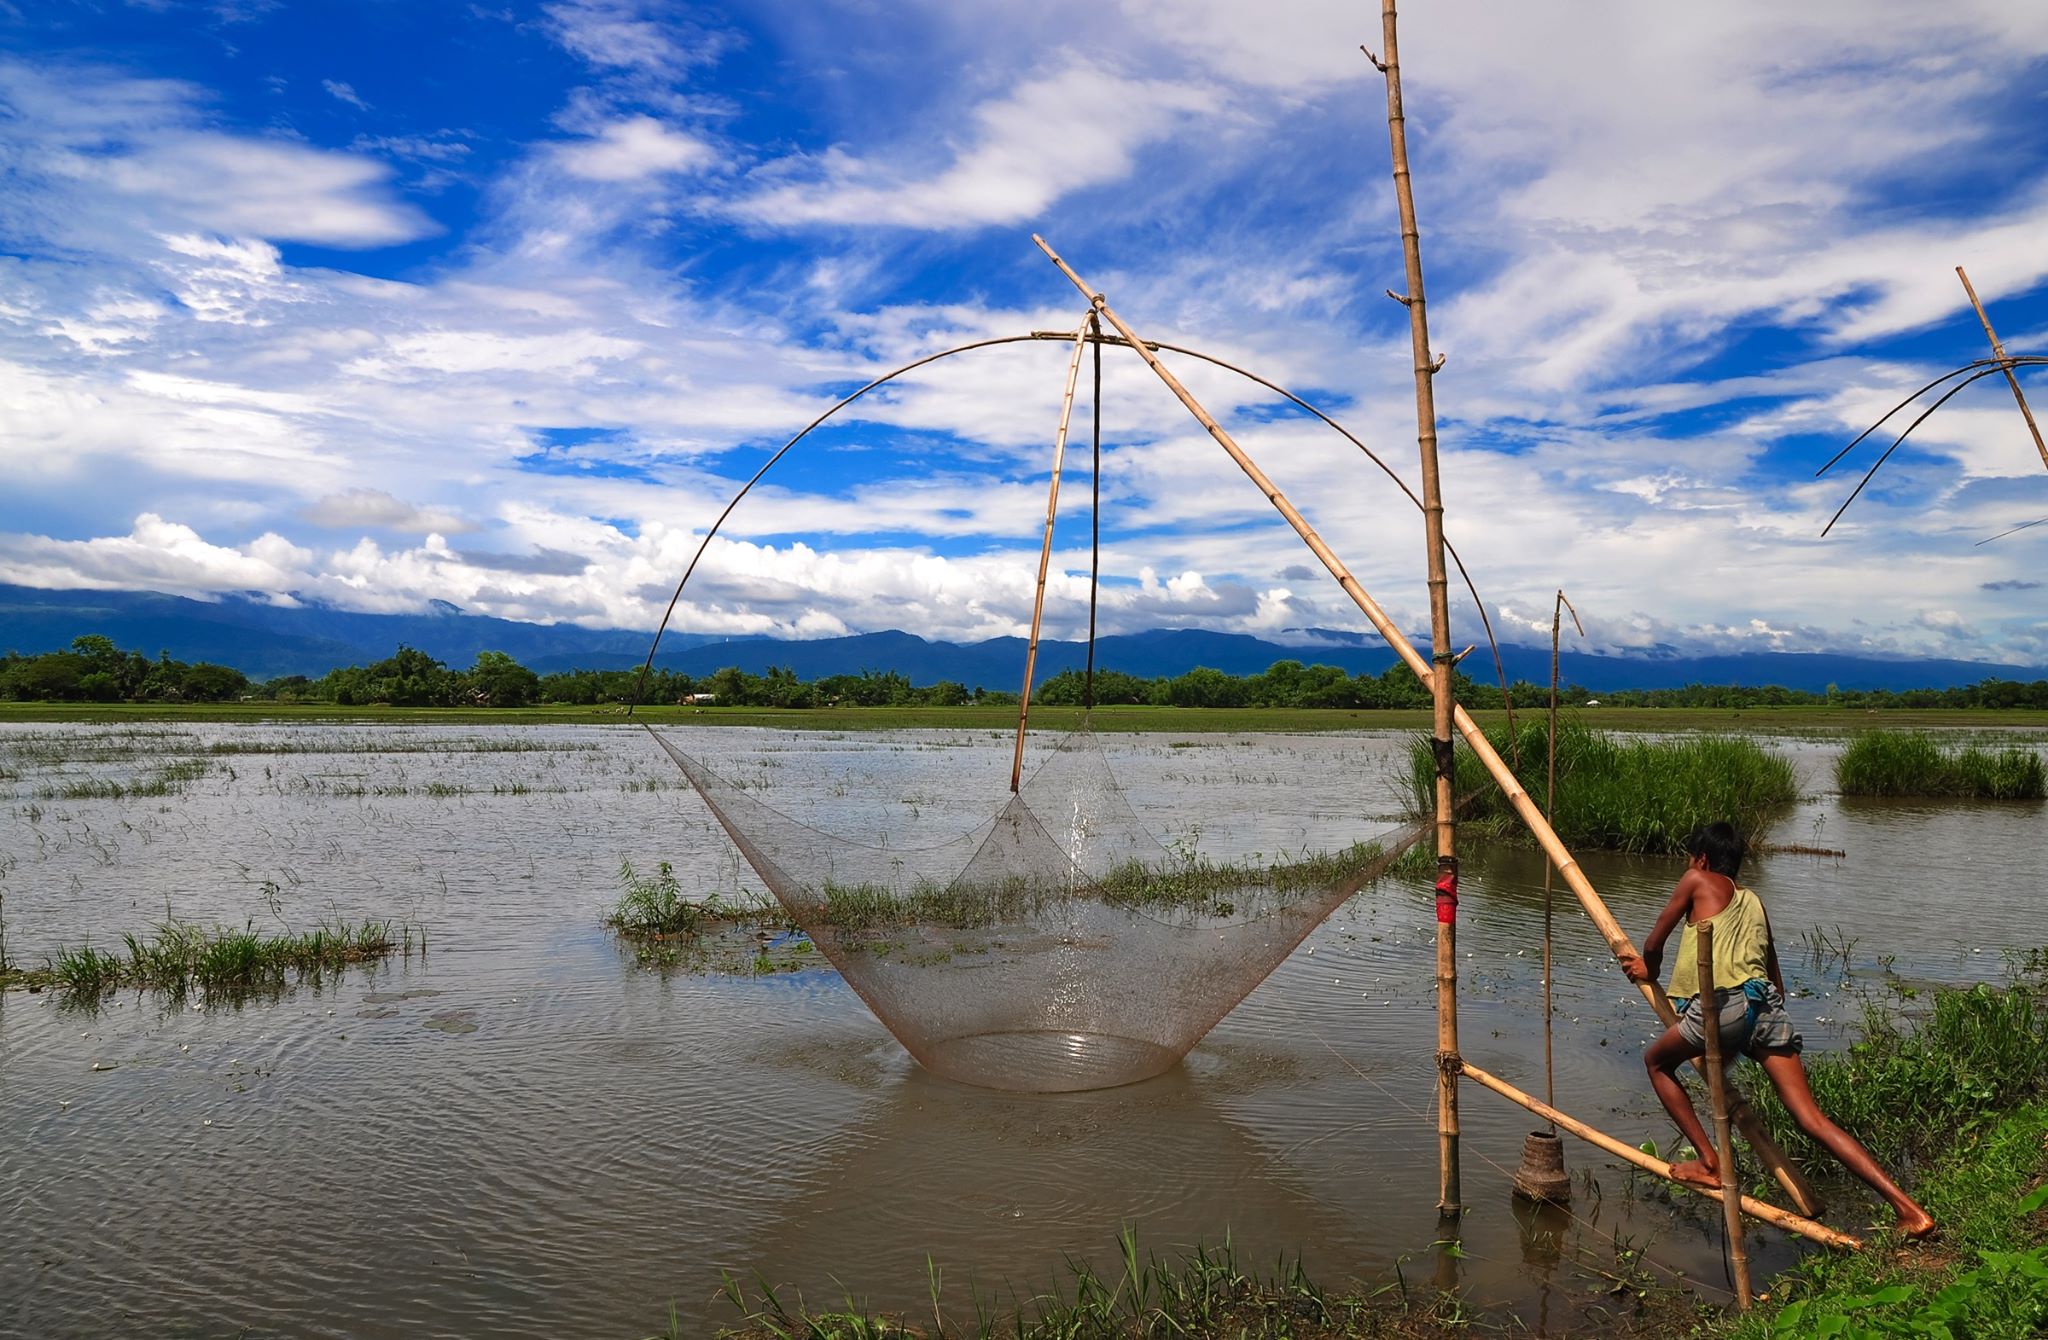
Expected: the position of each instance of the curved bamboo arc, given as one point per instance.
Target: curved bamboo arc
(640, 684)
(1628, 1153)
(2016, 360)
(1052, 509)
(1532, 816)
(1871, 473)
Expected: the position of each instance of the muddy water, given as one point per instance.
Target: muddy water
(525, 1133)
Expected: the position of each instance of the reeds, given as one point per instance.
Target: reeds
(653, 906)
(1619, 794)
(1916, 763)
(181, 958)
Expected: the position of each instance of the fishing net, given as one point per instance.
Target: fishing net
(1057, 946)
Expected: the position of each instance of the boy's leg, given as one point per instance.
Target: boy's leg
(1788, 1076)
(1662, 1059)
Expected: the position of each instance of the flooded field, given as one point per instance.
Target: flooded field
(527, 1132)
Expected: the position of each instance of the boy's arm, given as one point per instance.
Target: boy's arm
(1645, 969)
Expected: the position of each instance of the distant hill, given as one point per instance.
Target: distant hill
(265, 640)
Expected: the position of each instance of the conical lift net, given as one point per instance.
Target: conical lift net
(1058, 946)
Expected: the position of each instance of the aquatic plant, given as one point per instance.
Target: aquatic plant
(182, 957)
(1916, 763)
(1616, 793)
(653, 905)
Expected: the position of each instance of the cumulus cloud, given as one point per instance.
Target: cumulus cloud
(634, 148)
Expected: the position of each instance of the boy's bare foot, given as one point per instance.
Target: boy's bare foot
(1692, 1172)
(1917, 1228)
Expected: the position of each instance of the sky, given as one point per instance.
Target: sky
(373, 304)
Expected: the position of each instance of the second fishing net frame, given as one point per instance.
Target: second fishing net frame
(1059, 945)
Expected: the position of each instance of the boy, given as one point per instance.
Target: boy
(1750, 1014)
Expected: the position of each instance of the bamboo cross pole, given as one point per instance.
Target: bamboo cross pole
(1717, 1097)
(1998, 348)
(1052, 507)
(1441, 662)
(1618, 943)
(1756, 1209)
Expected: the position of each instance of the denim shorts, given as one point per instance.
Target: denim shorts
(1752, 1020)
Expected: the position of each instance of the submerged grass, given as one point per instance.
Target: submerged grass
(1199, 886)
(1915, 763)
(182, 957)
(653, 906)
(1618, 794)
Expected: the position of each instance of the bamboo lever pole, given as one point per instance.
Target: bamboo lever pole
(1052, 507)
(1627, 1153)
(1441, 661)
(1998, 348)
(1717, 1098)
(1596, 910)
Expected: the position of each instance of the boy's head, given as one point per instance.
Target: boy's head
(1721, 845)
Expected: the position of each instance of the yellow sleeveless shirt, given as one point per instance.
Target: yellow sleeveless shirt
(1742, 941)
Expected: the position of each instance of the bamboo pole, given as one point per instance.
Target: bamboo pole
(2005, 364)
(1550, 809)
(1441, 662)
(1717, 1098)
(1052, 507)
(1618, 943)
(1770, 1214)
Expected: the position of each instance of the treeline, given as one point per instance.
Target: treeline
(93, 669)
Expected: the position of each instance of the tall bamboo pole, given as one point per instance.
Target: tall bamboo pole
(1441, 661)
(1717, 1097)
(1998, 348)
(1618, 943)
(1628, 1153)
(1550, 810)
(1052, 507)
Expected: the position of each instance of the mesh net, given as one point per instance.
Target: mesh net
(1058, 946)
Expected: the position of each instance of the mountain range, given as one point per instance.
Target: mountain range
(263, 639)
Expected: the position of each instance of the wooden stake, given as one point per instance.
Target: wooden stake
(1052, 507)
(1441, 661)
(1618, 943)
(1998, 349)
(1770, 1214)
(1717, 1097)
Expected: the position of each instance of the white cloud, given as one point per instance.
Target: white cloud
(378, 510)
(1051, 135)
(342, 92)
(155, 555)
(634, 148)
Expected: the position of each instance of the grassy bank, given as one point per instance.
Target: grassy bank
(1801, 720)
(181, 958)
(1915, 763)
(1615, 793)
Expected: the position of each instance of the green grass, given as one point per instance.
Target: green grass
(1619, 794)
(653, 906)
(1915, 763)
(1203, 1292)
(1909, 1089)
(181, 958)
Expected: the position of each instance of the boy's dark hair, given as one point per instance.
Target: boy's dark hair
(1721, 845)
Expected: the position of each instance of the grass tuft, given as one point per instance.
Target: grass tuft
(1915, 763)
(1620, 794)
(227, 961)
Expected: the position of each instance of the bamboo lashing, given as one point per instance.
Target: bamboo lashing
(2005, 365)
(1052, 507)
(1442, 663)
(1717, 1098)
(1618, 942)
(1756, 1209)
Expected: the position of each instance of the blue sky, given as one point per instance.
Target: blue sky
(380, 303)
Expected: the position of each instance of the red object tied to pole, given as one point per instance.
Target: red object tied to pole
(1447, 895)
